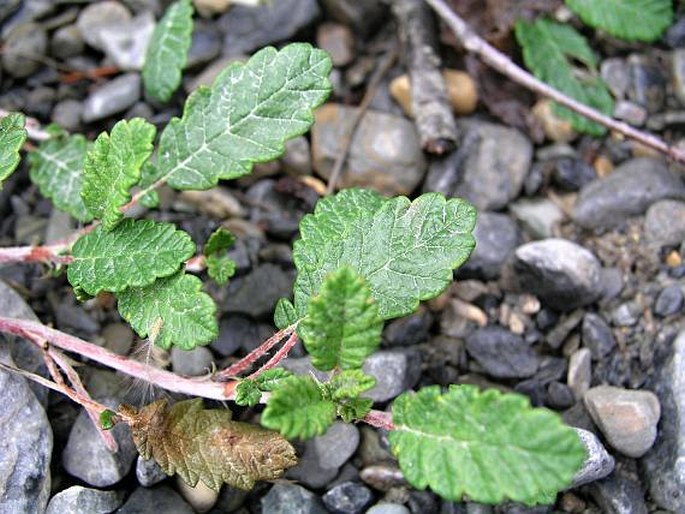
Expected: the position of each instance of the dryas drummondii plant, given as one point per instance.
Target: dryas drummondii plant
(361, 259)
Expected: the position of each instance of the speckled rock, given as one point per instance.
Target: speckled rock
(82, 500)
(628, 191)
(385, 154)
(160, 499)
(115, 96)
(598, 463)
(286, 498)
(665, 222)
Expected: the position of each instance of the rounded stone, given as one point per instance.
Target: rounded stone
(24, 50)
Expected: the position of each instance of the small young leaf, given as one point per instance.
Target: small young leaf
(349, 384)
(342, 326)
(272, 378)
(185, 315)
(167, 52)
(548, 50)
(107, 419)
(221, 135)
(284, 314)
(134, 253)
(220, 240)
(56, 167)
(113, 165)
(405, 250)
(634, 20)
(247, 393)
(12, 137)
(220, 268)
(487, 445)
(206, 445)
(298, 409)
(353, 409)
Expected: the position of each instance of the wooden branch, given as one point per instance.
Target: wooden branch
(473, 43)
(432, 111)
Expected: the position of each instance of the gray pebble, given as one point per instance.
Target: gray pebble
(388, 508)
(193, 363)
(348, 498)
(286, 498)
(670, 301)
(115, 96)
(394, 371)
(665, 222)
(148, 472)
(337, 445)
(24, 50)
(67, 114)
(160, 499)
(628, 191)
(580, 372)
(620, 493)
(94, 17)
(562, 274)
(597, 336)
(67, 42)
(598, 463)
(501, 353)
(126, 43)
(205, 44)
(539, 217)
(627, 314)
(257, 294)
(81, 500)
(496, 238)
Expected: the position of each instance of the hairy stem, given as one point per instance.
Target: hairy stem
(473, 43)
(278, 356)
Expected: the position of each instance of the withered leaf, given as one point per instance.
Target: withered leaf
(207, 445)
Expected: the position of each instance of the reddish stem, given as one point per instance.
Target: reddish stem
(243, 364)
(379, 419)
(278, 356)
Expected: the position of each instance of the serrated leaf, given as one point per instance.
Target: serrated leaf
(174, 309)
(487, 445)
(271, 379)
(405, 250)
(56, 167)
(113, 166)
(247, 393)
(221, 239)
(107, 419)
(167, 52)
(298, 409)
(12, 138)
(284, 314)
(634, 20)
(353, 409)
(220, 268)
(548, 50)
(349, 384)
(245, 118)
(207, 445)
(147, 177)
(133, 254)
(342, 326)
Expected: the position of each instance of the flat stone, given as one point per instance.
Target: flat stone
(670, 301)
(192, 363)
(496, 238)
(286, 498)
(148, 472)
(628, 191)
(161, 499)
(24, 50)
(115, 96)
(539, 217)
(388, 508)
(78, 499)
(247, 28)
(580, 372)
(627, 418)
(126, 42)
(663, 464)
(86, 456)
(495, 166)
(348, 498)
(337, 445)
(259, 291)
(562, 274)
(98, 16)
(502, 353)
(597, 336)
(394, 371)
(598, 463)
(665, 222)
(25, 443)
(385, 153)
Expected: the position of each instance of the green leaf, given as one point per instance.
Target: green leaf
(220, 240)
(271, 379)
(284, 314)
(12, 138)
(172, 311)
(353, 409)
(220, 268)
(405, 250)
(113, 165)
(487, 445)
(247, 393)
(342, 326)
(634, 20)
(297, 409)
(57, 170)
(349, 384)
(245, 118)
(548, 51)
(147, 177)
(167, 52)
(133, 254)
(107, 419)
